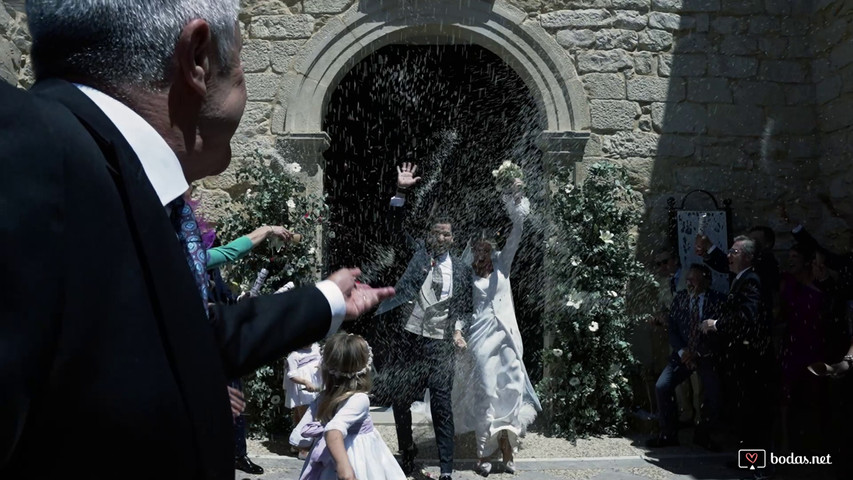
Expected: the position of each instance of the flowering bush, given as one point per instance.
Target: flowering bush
(586, 390)
(276, 197)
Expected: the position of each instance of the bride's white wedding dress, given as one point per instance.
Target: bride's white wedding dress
(492, 392)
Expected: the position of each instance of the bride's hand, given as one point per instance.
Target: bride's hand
(459, 341)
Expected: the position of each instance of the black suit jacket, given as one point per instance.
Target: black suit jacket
(107, 359)
(410, 283)
(679, 321)
(744, 324)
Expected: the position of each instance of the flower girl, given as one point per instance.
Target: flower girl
(347, 445)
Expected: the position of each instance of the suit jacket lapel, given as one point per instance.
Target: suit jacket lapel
(171, 287)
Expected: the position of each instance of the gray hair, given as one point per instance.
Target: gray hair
(748, 245)
(121, 42)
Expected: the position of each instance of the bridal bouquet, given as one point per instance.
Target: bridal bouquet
(506, 175)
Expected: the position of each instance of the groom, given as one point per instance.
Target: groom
(433, 305)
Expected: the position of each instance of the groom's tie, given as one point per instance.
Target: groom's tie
(437, 280)
(184, 222)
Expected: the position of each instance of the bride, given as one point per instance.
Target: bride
(502, 403)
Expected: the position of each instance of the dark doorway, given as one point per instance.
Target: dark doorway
(458, 112)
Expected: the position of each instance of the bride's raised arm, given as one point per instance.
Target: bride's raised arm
(518, 208)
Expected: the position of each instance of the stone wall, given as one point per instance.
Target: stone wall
(833, 75)
(737, 97)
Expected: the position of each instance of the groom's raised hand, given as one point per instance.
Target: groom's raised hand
(406, 178)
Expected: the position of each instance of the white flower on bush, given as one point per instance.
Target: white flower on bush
(557, 352)
(311, 251)
(613, 293)
(574, 302)
(593, 327)
(569, 188)
(291, 204)
(248, 193)
(275, 399)
(613, 386)
(292, 168)
(606, 236)
(506, 164)
(574, 381)
(575, 261)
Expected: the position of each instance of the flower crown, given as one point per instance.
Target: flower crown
(357, 373)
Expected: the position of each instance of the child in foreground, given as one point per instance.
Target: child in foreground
(347, 446)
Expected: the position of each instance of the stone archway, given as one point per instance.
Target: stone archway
(371, 24)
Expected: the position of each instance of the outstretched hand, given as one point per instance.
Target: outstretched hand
(406, 178)
(359, 297)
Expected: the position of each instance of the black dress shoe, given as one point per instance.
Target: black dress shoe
(661, 442)
(445, 476)
(243, 463)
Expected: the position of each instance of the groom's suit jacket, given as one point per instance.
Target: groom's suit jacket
(108, 362)
(409, 286)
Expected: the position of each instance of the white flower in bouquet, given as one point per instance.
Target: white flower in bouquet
(507, 174)
(291, 205)
(606, 236)
(593, 327)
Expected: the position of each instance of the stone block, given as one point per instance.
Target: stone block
(255, 119)
(614, 114)
(10, 62)
(630, 20)
(763, 25)
(676, 146)
(773, 47)
(785, 71)
(758, 93)
(632, 4)
(655, 89)
(280, 27)
(682, 65)
(325, 6)
(262, 86)
(683, 117)
(283, 54)
(655, 40)
(686, 5)
(792, 120)
(573, 39)
(778, 7)
(735, 120)
(693, 43)
(732, 67)
(671, 21)
(729, 25)
(256, 55)
(835, 115)
(800, 94)
(703, 22)
(709, 90)
(799, 47)
(609, 86)
(263, 7)
(585, 4)
(631, 144)
(593, 146)
(842, 54)
(847, 79)
(742, 7)
(644, 63)
(606, 61)
(803, 147)
(576, 18)
(609, 39)
(822, 69)
(828, 36)
(738, 45)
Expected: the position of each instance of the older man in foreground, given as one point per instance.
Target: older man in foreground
(108, 356)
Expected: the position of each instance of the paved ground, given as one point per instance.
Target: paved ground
(543, 458)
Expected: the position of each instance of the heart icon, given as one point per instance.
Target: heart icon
(752, 457)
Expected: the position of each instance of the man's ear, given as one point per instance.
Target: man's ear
(192, 54)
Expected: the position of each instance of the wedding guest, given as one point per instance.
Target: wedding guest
(303, 382)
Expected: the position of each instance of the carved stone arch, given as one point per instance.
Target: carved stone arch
(500, 28)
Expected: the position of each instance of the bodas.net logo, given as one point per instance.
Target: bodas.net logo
(751, 458)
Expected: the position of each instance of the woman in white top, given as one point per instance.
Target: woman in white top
(502, 402)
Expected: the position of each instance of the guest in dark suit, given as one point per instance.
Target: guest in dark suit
(109, 358)
(433, 305)
(744, 335)
(690, 352)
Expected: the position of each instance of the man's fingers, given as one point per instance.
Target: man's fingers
(414, 169)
